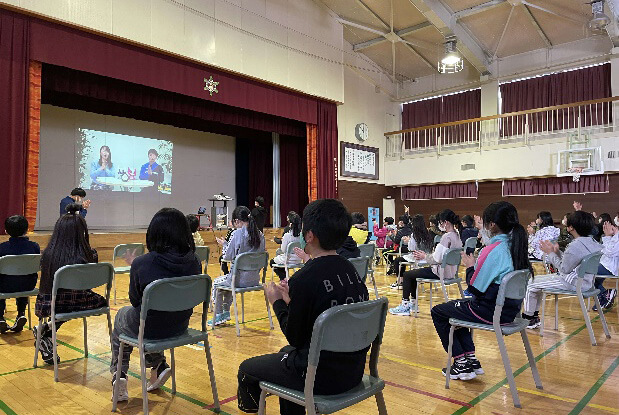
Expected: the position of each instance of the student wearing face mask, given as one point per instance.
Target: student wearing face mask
(599, 228)
(546, 231)
(609, 263)
(448, 222)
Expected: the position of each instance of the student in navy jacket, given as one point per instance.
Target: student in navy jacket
(77, 196)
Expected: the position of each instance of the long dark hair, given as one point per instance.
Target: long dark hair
(420, 233)
(109, 160)
(295, 223)
(69, 243)
(505, 216)
(244, 215)
(169, 231)
(546, 219)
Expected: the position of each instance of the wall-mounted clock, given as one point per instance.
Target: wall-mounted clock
(361, 132)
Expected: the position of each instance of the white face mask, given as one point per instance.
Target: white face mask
(616, 220)
(441, 228)
(564, 222)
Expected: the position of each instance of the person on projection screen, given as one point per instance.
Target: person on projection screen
(151, 170)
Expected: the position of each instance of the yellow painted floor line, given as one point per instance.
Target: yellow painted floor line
(560, 398)
(409, 363)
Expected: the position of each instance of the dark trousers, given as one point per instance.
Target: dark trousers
(15, 284)
(598, 282)
(280, 272)
(409, 280)
(395, 267)
(224, 266)
(463, 340)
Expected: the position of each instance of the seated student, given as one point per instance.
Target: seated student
(77, 196)
(171, 254)
(564, 236)
(609, 263)
(68, 245)
(313, 289)
(381, 233)
(359, 229)
(194, 224)
(546, 231)
(18, 244)
(433, 229)
(223, 243)
(579, 224)
(420, 239)
(293, 235)
(247, 238)
(599, 227)
(447, 221)
(468, 230)
(404, 229)
(506, 252)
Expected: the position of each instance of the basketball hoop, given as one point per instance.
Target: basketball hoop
(575, 173)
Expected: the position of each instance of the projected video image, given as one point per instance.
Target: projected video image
(123, 163)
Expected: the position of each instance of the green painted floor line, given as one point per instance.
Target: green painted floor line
(497, 386)
(5, 408)
(594, 389)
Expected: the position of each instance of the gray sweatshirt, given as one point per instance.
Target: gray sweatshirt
(567, 262)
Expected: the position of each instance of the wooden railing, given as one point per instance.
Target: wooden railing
(522, 127)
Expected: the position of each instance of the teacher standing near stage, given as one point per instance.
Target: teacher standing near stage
(102, 168)
(77, 196)
(151, 170)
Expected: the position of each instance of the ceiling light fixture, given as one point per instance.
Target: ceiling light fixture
(451, 62)
(600, 20)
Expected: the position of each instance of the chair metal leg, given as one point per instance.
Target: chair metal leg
(114, 286)
(268, 310)
(143, 378)
(461, 290)
(380, 401)
(585, 314)
(243, 307)
(109, 326)
(37, 342)
(85, 338)
(541, 327)
(417, 300)
(448, 365)
(602, 317)
(236, 315)
(55, 348)
(556, 312)
(445, 295)
(431, 293)
(173, 369)
(375, 289)
(29, 315)
(119, 368)
(263, 403)
(508, 370)
(211, 373)
(527, 348)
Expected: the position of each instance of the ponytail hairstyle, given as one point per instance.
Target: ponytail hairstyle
(295, 223)
(421, 235)
(448, 215)
(243, 214)
(505, 216)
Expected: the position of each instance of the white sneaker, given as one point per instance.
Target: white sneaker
(123, 393)
(158, 376)
(404, 309)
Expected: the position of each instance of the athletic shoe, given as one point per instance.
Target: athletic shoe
(404, 309)
(3, 326)
(610, 298)
(123, 393)
(158, 376)
(461, 369)
(46, 347)
(396, 286)
(220, 319)
(467, 293)
(19, 324)
(534, 323)
(474, 362)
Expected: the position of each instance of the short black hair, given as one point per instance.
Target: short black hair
(582, 222)
(389, 220)
(357, 218)
(78, 191)
(468, 219)
(329, 221)
(260, 200)
(153, 151)
(169, 231)
(546, 218)
(404, 219)
(194, 223)
(605, 217)
(432, 219)
(16, 225)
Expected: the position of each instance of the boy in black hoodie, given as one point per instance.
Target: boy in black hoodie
(325, 281)
(171, 254)
(259, 213)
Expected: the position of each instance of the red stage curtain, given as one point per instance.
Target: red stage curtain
(14, 63)
(440, 191)
(293, 175)
(326, 145)
(556, 186)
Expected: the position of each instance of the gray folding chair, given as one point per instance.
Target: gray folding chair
(588, 265)
(470, 243)
(513, 286)
(170, 294)
(119, 253)
(287, 266)
(369, 251)
(77, 277)
(203, 253)
(452, 257)
(437, 239)
(20, 265)
(361, 266)
(344, 328)
(248, 261)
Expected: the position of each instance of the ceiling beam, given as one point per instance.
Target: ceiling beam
(478, 9)
(367, 9)
(360, 26)
(535, 23)
(403, 32)
(420, 56)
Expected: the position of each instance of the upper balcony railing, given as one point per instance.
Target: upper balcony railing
(514, 128)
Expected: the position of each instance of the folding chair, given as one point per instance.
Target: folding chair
(248, 261)
(361, 266)
(451, 257)
(119, 252)
(470, 243)
(344, 328)
(203, 253)
(437, 239)
(513, 286)
(77, 277)
(368, 251)
(287, 266)
(588, 265)
(20, 265)
(170, 294)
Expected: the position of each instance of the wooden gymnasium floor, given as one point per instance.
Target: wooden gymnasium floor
(578, 378)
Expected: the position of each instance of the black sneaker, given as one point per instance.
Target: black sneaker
(461, 369)
(19, 324)
(46, 348)
(3, 326)
(610, 299)
(534, 323)
(474, 362)
(158, 376)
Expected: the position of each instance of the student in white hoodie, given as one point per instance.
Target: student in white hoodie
(579, 224)
(609, 263)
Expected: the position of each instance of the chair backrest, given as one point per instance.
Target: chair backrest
(513, 286)
(176, 294)
(249, 261)
(20, 264)
(121, 250)
(361, 266)
(589, 264)
(203, 253)
(437, 239)
(453, 256)
(367, 250)
(83, 277)
(290, 250)
(470, 243)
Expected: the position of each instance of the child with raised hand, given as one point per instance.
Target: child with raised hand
(18, 244)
